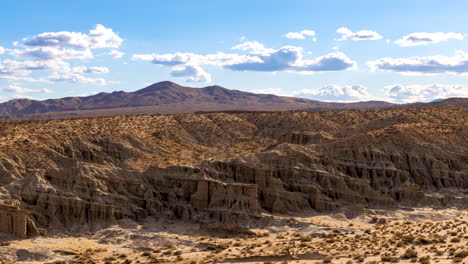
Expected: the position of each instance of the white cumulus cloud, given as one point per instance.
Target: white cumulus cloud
(20, 90)
(98, 37)
(90, 70)
(22, 96)
(424, 38)
(457, 64)
(341, 93)
(290, 58)
(274, 91)
(194, 73)
(252, 46)
(75, 78)
(257, 58)
(51, 53)
(116, 54)
(424, 93)
(12, 68)
(347, 34)
(303, 34)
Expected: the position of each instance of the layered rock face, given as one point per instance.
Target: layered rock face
(233, 168)
(16, 222)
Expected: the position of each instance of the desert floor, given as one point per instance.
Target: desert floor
(422, 235)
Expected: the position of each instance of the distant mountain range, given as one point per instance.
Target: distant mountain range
(168, 97)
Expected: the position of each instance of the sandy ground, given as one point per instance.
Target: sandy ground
(404, 236)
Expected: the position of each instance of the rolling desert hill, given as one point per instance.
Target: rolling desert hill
(168, 98)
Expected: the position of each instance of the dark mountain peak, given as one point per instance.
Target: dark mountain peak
(216, 89)
(169, 97)
(452, 101)
(165, 85)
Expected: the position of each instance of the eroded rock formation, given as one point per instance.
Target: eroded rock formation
(16, 222)
(233, 168)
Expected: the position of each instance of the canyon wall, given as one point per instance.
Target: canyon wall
(233, 168)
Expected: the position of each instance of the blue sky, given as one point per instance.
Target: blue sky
(400, 51)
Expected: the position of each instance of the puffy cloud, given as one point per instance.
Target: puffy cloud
(62, 72)
(424, 93)
(14, 68)
(343, 93)
(337, 61)
(2, 50)
(167, 59)
(194, 73)
(68, 39)
(45, 90)
(18, 78)
(21, 90)
(252, 46)
(290, 59)
(258, 58)
(457, 64)
(22, 96)
(173, 59)
(223, 59)
(116, 54)
(274, 60)
(347, 34)
(75, 78)
(275, 91)
(287, 58)
(98, 37)
(18, 89)
(188, 64)
(303, 34)
(102, 37)
(90, 70)
(424, 38)
(49, 53)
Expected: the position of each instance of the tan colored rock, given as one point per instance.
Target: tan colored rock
(230, 168)
(16, 222)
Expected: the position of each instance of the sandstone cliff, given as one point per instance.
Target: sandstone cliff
(235, 168)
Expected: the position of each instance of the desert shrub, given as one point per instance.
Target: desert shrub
(409, 254)
(425, 260)
(423, 240)
(359, 258)
(461, 254)
(408, 238)
(388, 258)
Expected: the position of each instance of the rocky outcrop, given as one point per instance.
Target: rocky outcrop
(305, 138)
(193, 193)
(16, 222)
(231, 169)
